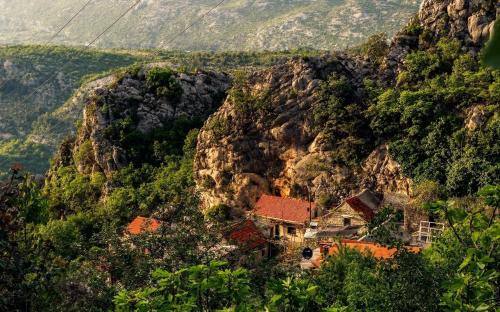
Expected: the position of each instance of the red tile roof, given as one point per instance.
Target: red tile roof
(361, 208)
(141, 225)
(285, 209)
(246, 233)
(378, 251)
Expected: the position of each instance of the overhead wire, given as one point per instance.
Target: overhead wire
(80, 10)
(200, 18)
(85, 47)
(115, 21)
(70, 20)
(155, 54)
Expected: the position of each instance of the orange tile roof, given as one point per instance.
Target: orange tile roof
(285, 209)
(141, 225)
(246, 233)
(378, 251)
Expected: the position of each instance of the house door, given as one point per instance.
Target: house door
(277, 231)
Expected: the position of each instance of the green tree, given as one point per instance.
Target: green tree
(468, 254)
(209, 287)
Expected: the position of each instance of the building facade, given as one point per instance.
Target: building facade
(284, 218)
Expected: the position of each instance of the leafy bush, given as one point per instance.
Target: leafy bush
(340, 116)
(70, 192)
(423, 119)
(218, 213)
(219, 126)
(467, 253)
(163, 80)
(244, 101)
(85, 154)
(198, 288)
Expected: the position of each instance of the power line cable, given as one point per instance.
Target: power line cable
(184, 30)
(85, 47)
(2, 164)
(62, 28)
(195, 22)
(70, 20)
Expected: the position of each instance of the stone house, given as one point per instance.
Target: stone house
(347, 220)
(357, 210)
(285, 218)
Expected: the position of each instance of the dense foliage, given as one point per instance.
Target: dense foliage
(62, 250)
(340, 117)
(441, 120)
(458, 273)
(440, 91)
(70, 248)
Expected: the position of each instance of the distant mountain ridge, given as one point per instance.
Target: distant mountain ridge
(235, 25)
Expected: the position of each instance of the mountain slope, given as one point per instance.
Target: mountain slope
(236, 25)
(31, 128)
(339, 123)
(24, 69)
(382, 117)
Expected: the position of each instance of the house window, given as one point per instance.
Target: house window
(291, 230)
(277, 231)
(347, 221)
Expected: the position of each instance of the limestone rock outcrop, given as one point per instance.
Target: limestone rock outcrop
(119, 98)
(470, 21)
(244, 153)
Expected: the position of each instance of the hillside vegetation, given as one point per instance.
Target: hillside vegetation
(193, 149)
(235, 25)
(41, 121)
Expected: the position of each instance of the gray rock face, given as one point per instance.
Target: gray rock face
(470, 21)
(131, 97)
(243, 153)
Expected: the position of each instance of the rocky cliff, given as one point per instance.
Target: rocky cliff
(138, 101)
(266, 138)
(470, 21)
(295, 128)
(273, 144)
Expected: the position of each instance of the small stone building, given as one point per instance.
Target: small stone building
(285, 218)
(357, 210)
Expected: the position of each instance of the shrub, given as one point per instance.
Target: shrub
(340, 115)
(326, 201)
(164, 82)
(85, 154)
(218, 213)
(244, 101)
(219, 126)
